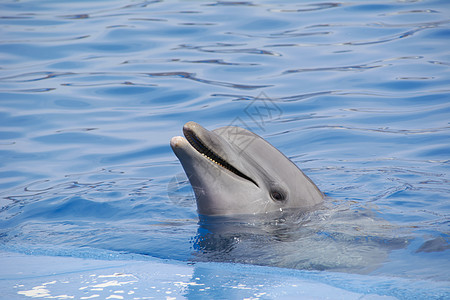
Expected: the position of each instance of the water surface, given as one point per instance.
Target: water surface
(355, 93)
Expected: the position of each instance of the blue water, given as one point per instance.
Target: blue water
(355, 93)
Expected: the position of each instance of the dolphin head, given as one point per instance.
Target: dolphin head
(234, 171)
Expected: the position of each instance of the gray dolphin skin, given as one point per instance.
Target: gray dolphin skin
(234, 171)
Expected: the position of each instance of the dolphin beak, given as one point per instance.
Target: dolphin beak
(182, 149)
(178, 142)
(192, 126)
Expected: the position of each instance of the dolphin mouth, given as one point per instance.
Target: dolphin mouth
(208, 153)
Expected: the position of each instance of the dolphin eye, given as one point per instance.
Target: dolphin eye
(277, 195)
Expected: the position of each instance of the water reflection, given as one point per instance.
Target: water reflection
(338, 239)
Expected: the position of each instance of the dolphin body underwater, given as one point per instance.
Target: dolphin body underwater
(257, 207)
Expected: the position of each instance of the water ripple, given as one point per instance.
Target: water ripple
(104, 84)
(421, 25)
(193, 77)
(223, 48)
(355, 68)
(281, 35)
(413, 11)
(38, 76)
(220, 62)
(101, 12)
(307, 7)
(292, 98)
(44, 40)
(384, 130)
(38, 90)
(231, 3)
(379, 40)
(91, 93)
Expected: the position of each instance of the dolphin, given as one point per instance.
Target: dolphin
(233, 171)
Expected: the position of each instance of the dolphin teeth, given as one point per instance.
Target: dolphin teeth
(215, 161)
(198, 145)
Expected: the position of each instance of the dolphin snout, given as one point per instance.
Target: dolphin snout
(177, 142)
(192, 126)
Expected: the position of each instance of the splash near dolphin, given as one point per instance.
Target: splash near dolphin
(234, 171)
